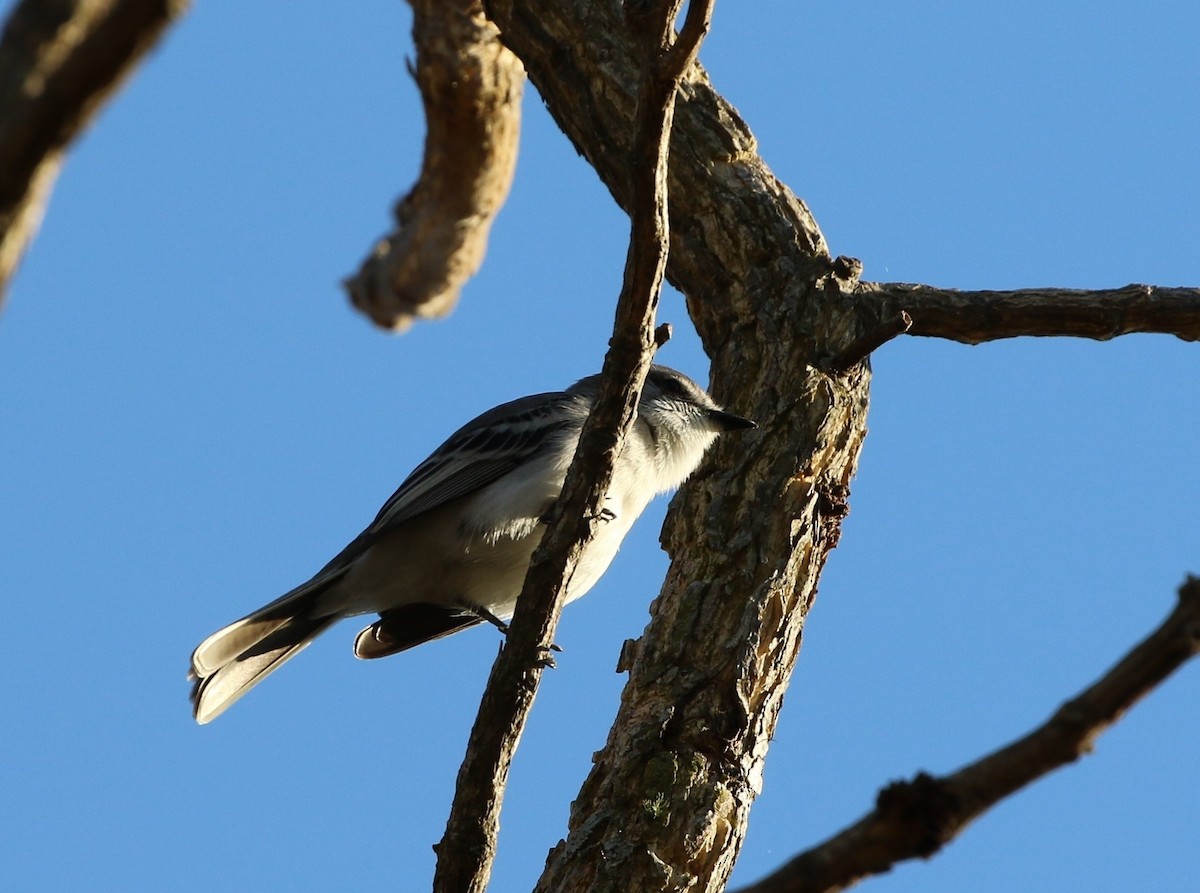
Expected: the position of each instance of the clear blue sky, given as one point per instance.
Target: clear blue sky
(192, 421)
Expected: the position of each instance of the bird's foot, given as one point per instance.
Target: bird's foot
(545, 660)
(485, 614)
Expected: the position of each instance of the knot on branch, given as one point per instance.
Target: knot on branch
(846, 269)
(926, 807)
(1189, 593)
(1189, 604)
(833, 505)
(833, 501)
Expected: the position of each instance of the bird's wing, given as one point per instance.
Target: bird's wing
(479, 453)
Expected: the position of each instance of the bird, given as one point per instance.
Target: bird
(450, 548)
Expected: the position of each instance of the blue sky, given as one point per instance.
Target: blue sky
(194, 421)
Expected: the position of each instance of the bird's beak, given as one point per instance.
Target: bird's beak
(727, 421)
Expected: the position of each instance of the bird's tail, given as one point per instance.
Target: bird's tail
(236, 658)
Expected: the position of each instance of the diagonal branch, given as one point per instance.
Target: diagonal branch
(58, 63)
(973, 317)
(917, 818)
(471, 86)
(667, 800)
(467, 849)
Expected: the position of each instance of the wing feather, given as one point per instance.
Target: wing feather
(478, 454)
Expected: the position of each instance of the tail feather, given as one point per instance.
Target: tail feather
(232, 641)
(217, 686)
(237, 657)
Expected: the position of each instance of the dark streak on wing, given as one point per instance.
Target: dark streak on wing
(479, 473)
(482, 451)
(477, 454)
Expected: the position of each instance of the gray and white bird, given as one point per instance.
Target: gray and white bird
(450, 548)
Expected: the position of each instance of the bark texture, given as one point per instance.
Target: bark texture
(59, 61)
(471, 86)
(666, 804)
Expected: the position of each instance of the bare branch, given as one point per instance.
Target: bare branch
(973, 317)
(58, 63)
(467, 849)
(682, 53)
(870, 341)
(917, 818)
(471, 86)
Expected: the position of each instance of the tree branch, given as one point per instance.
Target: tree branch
(973, 317)
(471, 86)
(870, 341)
(718, 184)
(668, 798)
(917, 818)
(467, 849)
(58, 63)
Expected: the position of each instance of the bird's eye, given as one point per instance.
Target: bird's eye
(672, 387)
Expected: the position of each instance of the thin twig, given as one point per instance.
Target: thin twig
(917, 818)
(467, 849)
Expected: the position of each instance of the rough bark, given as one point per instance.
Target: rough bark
(471, 87)
(915, 819)
(666, 804)
(59, 61)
